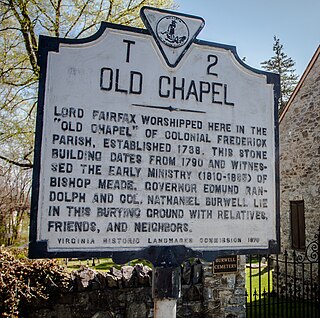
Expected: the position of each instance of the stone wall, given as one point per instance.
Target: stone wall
(300, 157)
(126, 293)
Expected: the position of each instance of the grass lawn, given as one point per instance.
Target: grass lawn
(280, 307)
(258, 282)
(271, 305)
(101, 264)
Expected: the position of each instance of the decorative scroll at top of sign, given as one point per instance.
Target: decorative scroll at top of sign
(173, 33)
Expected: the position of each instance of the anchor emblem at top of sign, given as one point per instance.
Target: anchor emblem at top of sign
(173, 32)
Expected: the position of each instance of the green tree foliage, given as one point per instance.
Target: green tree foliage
(21, 21)
(283, 65)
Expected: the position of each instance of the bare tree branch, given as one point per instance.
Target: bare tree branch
(16, 163)
(27, 33)
(77, 18)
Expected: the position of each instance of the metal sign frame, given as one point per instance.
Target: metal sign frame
(158, 255)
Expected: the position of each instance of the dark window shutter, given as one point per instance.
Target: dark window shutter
(297, 224)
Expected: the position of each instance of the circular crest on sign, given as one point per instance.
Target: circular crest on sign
(172, 31)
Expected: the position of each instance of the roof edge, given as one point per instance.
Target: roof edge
(301, 81)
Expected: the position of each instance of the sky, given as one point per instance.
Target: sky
(251, 25)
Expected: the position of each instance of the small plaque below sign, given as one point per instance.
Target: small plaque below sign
(226, 264)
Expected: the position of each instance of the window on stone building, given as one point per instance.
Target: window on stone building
(298, 235)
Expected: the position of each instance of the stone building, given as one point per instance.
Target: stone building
(300, 165)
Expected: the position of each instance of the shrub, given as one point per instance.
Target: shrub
(24, 280)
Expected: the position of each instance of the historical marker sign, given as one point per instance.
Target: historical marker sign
(150, 139)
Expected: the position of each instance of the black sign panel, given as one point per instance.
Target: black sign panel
(225, 264)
